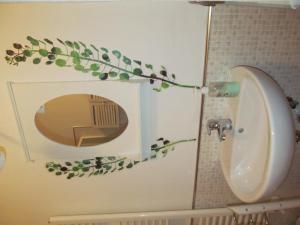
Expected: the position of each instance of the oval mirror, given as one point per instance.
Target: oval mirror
(81, 120)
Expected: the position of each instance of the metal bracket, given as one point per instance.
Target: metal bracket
(207, 3)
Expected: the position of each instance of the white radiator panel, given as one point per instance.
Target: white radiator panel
(104, 113)
(248, 214)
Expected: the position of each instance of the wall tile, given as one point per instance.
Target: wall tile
(267, 38)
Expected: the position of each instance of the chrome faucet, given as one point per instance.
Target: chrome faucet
(220, 125)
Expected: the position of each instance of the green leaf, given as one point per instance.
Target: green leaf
(48, 41)
(164, 85)
(96, 74)
(57, 165)
(130, 165)
(103, 76)
(149, 66)
(85, 54)
(48, 62)
(10, 52)
(166, 142)
(124, 76)
(68, 163)
(164, 152)
(116, 53)
(81, 175)
(33, 41)
(173, 76)
(56, 50)
(58, 173)
(79, 67)
(94, 67)
(60, 41)
(86, 161)
(111, 157)
(121, 163)
(20, 58)
(113, 74)
(60, 62)
(69, 44)
(76, 60)
(157, 89)
(51, 57)
(36, 60)
(76, 45)
(75, 168)
(108, 167)
(50, 170)
(75, 54)
(43, 52)
(94, 47)
(17, 46)
(164, 73)
(126, 60)
(70, 175)
(105, 57)
(42, 42)
(137, 62)
(85, 169)
(136, 162)
(104, 49)
(88, 51)
(137, 71)
(154, 146)
(64, 169)
(91, 173)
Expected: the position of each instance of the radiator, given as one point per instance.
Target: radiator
(104, 113)
(230, 219)
(248, 214)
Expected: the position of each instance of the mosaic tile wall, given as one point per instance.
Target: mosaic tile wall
(267, 38)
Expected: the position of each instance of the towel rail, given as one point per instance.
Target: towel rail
(232, 215)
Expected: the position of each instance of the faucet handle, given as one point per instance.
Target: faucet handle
(212, 125)
(224, 124)
(221, 125)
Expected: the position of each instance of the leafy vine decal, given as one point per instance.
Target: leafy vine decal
(99, 62)
(110, 164)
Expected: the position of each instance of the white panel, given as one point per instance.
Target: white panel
(30, 96)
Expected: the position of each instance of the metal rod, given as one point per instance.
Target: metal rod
(208, 27)
(266, 206)
(77, 219)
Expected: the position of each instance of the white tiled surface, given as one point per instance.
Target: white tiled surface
(267, 38)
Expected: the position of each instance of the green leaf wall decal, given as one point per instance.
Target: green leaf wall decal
(113, 64)
(110, 164)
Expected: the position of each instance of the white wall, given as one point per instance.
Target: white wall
(169, 33)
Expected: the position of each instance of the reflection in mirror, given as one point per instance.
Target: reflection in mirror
(81, 120)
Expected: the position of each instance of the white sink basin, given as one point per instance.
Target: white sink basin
(257, 155)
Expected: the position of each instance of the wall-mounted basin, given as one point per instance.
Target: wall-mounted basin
(256, 156)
